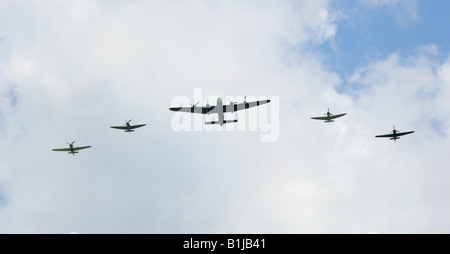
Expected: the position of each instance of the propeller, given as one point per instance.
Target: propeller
(394, 131)
(232, 102)
(71, 143)
(193, 105)
(328, 113)
(245, 102)
(126, 122)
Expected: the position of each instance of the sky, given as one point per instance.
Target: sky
(69, 69)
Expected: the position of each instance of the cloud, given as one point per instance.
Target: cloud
(408, 92)
(85, 65)
(81, 66)
(414, 80)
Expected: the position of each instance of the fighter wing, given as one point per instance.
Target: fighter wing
(385, 136)
(404, 133)
(326, 118)
(199, 110)
(243, 105)
(119, 127)
(61, 149)
(320, 118)
(81, 147)
(336, 116)
(392, 135)
(136, 126)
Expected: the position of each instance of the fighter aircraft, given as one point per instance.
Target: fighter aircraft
(395, 135)
(127, 127)
(72, 150)
(220, 109)
(329, 117)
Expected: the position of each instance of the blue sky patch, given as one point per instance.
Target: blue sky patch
(438, 126)
(369, 34)
(2, 200)
(12, 95)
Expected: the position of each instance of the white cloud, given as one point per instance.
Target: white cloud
(409, 86)
(81, 66)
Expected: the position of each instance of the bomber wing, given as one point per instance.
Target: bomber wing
(243, 105)
(193, 109)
